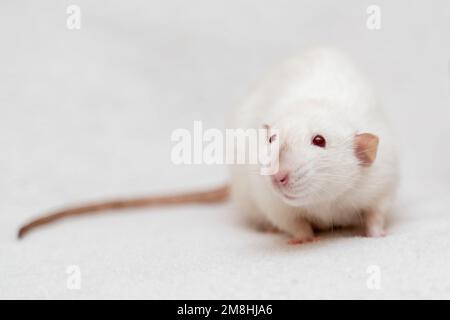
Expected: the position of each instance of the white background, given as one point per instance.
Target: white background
(87, 114)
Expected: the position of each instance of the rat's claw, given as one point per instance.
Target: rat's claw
(303, 241)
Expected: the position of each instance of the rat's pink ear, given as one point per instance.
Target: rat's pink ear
(366, 146)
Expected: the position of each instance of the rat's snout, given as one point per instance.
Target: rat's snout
(281, 177)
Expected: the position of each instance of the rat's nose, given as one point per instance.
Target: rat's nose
(281, 177)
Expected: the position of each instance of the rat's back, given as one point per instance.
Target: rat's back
(319, 74)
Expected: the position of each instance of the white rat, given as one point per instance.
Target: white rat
(337, 162)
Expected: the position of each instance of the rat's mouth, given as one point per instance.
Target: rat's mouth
(283, 192)
(293, 195)
(286, 192)
(287, 196)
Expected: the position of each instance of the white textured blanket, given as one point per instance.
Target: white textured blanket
(87, 114)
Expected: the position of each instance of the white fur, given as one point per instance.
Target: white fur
(319, 92)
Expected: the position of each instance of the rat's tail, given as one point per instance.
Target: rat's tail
(211, 196)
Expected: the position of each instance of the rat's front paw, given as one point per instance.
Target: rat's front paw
(374, 224)
(375, 233)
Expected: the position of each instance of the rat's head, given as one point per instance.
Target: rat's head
(320, 156)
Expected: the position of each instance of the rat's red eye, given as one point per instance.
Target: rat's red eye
(272, 138)
(319, 141)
